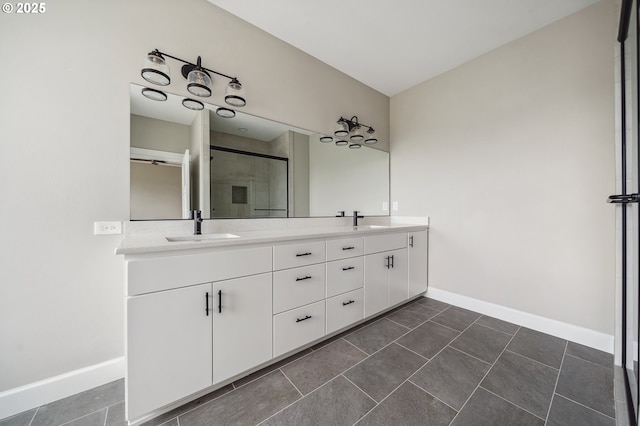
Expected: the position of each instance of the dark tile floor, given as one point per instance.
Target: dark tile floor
(425, 363)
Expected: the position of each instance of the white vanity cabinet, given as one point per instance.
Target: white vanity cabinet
(200, 317)
(386, 270)
(418, 263)
(180, 338)
(168, 347)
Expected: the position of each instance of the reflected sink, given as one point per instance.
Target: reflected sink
(363, 227)
(202, 237)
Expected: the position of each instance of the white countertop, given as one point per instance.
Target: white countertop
(158, 242)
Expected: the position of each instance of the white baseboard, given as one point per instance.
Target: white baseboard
(17, 400)
(584, 336)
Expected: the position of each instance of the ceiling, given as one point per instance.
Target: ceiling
(394, 45)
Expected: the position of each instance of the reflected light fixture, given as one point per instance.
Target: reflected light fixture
(154, 94)
(353, 129)
(192, 104)
(225, 112)
(199, 82)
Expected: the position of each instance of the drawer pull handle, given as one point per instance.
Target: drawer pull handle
(303, 319)
(303, 278)
(348, 303)
(219, 301)
(303, 254)
(348, 268)
(348, 248)
(206, 298)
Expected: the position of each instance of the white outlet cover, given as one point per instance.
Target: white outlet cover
(385, 206)
(107, 228)
(395, 206)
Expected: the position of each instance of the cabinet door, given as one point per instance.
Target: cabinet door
(398, 277)
(242, 333)
(418, 261)
(376, 293)
(168, 347)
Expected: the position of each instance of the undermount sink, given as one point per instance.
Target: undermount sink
(202, 237)
(363, 227)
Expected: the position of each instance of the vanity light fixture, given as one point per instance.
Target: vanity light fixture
(199, 82)
(225, 112)
(353, 129)
(154, 94)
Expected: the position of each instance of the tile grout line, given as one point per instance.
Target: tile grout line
(535, 360)
(494, 329)
(299, 399)
(360, 389)
(564, 354)
(86, 415)
(414, 352)
(396, 322)
(367, 355)
(106, 415)
(472, 356)
(294, 386)
(586, 406)
(34, 415)
(485, 375)
(433, 396)
(512, 403)
(586, 360)
(275, 369)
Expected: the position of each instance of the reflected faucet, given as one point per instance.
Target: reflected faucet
(196, 215)
(340, 213)
(356, 217)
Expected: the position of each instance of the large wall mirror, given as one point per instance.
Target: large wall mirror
(243, 166)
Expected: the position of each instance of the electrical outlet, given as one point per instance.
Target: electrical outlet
(385, 206)
(395, 206)
(102, 228)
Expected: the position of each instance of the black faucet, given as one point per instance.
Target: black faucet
(340, 213)
(196, 215)
(356, 217)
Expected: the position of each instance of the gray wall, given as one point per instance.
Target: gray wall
(512, 157)
(65, 114)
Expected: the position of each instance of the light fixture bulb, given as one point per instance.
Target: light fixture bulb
(342, 129)
(355, 146)
(199, 83)
(155, 69)
(235, 94)
(341, 142)
(326, 139)
(356, 136)
(371, 137)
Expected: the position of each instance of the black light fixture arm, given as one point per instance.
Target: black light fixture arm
(353, 122)
(194, 65)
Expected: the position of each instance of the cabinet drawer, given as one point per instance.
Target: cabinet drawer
(298, 286)
(294, 255)
(167, 272)
(345, 275)
(378, 243)
(297, 327)
(347, 247)
(344, 310)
